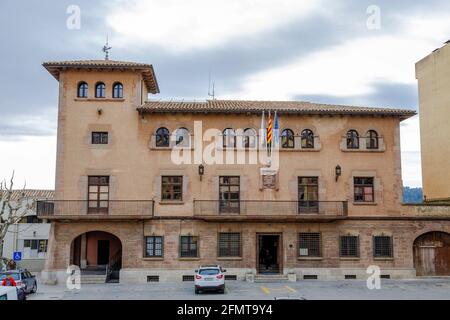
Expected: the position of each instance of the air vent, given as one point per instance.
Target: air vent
(152, 278)
(385, 276)
(310, 277)
(188, 278)
(350, 276)
(230, 277)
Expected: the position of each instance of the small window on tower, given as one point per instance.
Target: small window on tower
(99, 137)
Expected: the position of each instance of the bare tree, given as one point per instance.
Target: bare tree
(12, 210)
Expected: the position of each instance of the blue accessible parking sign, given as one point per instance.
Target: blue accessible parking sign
(17, 256)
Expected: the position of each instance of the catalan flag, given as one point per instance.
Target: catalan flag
(269, 129)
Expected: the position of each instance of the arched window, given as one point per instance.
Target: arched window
(117, 90)
(229, 138)
(287, 139)
(307, 139)
(162, 137)
(352, 139)
(182, 137)
(100, 90)
(249, 140)
(82, 90)
(372, 139)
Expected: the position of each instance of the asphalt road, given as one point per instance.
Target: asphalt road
(435, 288)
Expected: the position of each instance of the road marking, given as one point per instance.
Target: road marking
(265, 290)
(291, 289)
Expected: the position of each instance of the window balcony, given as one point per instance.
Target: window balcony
(94, 210)
(261, 210)
(364, 145)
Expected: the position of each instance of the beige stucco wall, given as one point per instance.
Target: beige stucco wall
(433, 74)
(136, 168)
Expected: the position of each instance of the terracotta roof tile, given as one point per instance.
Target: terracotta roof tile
(33, 194)
(282, 107)
(55, 68)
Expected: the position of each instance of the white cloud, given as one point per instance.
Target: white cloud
(32, 159)
(179, 25)
(410, 144)
(355, 66)
(349, 69)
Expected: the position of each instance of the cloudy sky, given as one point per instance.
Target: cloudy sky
(315, 50)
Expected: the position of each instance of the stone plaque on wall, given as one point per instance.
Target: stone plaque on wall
(269, 178)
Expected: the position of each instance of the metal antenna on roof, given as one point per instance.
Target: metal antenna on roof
(106, 49)
(211, 94)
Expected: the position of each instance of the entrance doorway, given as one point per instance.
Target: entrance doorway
(432, 254)
(103, 252)
(269, 253)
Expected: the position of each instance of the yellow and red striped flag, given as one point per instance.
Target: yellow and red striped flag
(269, 129)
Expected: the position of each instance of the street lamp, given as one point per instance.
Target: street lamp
(338, 172)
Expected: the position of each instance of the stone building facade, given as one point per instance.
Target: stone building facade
(140, 188)
(433, 76)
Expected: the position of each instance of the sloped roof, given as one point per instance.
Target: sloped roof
(55, 68)
(32, 194)
(282, 107)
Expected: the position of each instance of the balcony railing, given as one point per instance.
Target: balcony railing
(84, 208)
(262, 208)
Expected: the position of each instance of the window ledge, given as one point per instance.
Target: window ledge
(356, 203)
(169, 203)
(383, 258)
(189, 259)
(310, 258)
(350, 258)
(363, 150)
(229, 258)
(170, 148)
(100, 99)
(153, 259)
(299, 150)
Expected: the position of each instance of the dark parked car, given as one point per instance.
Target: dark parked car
(23, 278)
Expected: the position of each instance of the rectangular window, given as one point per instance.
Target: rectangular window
(382, 247)
(309, 244)
(349, 246)
(42, 246)
(308, 194)
(363, 189)
(154, 246)
(229, 194)
(99, 137)
(229, 244)
(172, 188)
(98, 194)
(188, 247)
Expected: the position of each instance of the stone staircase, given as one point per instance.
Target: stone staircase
(93, 275)
(271, 278)
(93, 278)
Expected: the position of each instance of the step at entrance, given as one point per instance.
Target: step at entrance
(271, 278)
(93, 278)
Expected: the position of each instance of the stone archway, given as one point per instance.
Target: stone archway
(97, 251)
(432, 254)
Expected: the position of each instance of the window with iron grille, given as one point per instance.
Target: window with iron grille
(229, 194)
(99, 138)
(188, 247)
(349, 246)
(363, 189)
(229, 244)
(172, 188)
(382, 246)
(98, 187)
(154, 246)
(309, 244)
